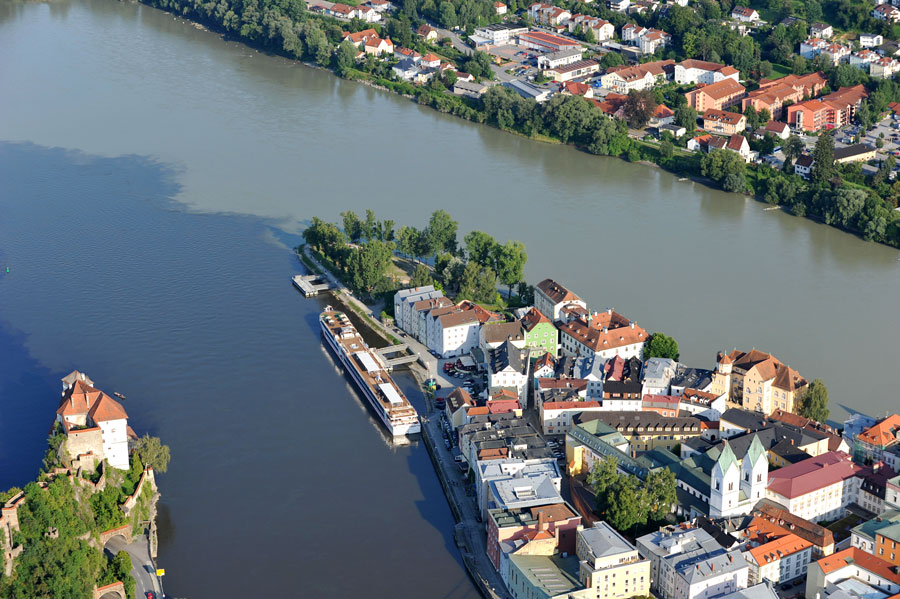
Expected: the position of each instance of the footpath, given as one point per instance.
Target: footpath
(470, 534)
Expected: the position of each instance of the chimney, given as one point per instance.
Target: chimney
(542, 521)
(632, 324)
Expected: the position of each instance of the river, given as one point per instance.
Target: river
(152, 180)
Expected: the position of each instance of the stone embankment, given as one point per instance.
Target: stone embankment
(469, 533)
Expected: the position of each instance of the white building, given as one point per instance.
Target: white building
(700, 71)
(870, 40)
(603, 334)
(403, 302)
(690, 564)
(453, 334)
(819, 488)
(551, 297)
(556, 416)
(780, 560)
(657, 374)
(508, 367)
(558, 59)
(735, 487)
(96, 425)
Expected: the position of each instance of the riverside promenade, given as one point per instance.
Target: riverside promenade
(469, 533)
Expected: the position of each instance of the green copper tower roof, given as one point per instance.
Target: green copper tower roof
(755, 450)
(726, 458)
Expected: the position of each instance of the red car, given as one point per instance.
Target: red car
(151, 595)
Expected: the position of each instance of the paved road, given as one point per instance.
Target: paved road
(142, 569)
(473, 531)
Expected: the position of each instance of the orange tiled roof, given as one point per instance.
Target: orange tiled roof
(883, 433)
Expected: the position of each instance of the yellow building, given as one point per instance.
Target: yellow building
(758, 381)
(648, 430)
(609, 565)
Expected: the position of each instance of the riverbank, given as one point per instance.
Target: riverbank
(468, 533)
(319, 39)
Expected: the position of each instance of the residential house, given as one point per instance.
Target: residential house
(359, 38)
(623, 79)
(739, 144)
(886, 12)
(604, 334)
(816, 46)
(609, 566)
(456, 407)
(758, 381)
(618, 5)
(686, 377)
(876, 576)
(870, 40)
(556, 416)
(879, 536)
(657, 374)
(803, 166)
(822, 30)
(723, 123)
(775, 556)
(621, 387)
(574, 88)
(690, 564)
(777, 129)
(716, 95)
(508, 367)
(418, 315)
(378, 46)
(548, 15)
(601, 29)
(500, 8)
(874, 443)
(341, 11)
(406, 53)
(701, 71)
(540, 332)
(551, 297)
(427, 33)
(405, 315)
(494, 334)
(505, 526)
(631, 33)
(663, 115)
(863, 58)
(884, 68)
(819, 488)
(653, 40)
(772, 520)
(452, 331)
(95, 424)
(744, 14)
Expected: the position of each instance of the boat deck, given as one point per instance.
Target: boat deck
(368, 365)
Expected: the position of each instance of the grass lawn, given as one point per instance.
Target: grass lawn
(402, 268)
(779, 70)
(841, 528)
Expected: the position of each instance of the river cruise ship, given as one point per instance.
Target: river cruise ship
(368, 372)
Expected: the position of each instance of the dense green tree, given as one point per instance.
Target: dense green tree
(153, 453)
(724, 167)
(639, 107)
(792, 147)
(666, 150)
(626, 504)
(480, 247)
(602, 478)
(661, 346)
(611, 59)
(661, 494)
(686, 117)
(814, 403)
(510, 261)
(844, 206)
(478, 283)
(441, 233)
(823, 159)
(352, 226)
(105, 505)
(345, 58)
(421, 276)
(368, 266)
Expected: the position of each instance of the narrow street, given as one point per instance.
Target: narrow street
(142, 567)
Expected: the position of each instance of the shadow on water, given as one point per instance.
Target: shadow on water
(193, 317)
(28, 395)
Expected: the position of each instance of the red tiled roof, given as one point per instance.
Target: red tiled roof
(812, 474)
(860, 559)
(569, 405)
(784, 546)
